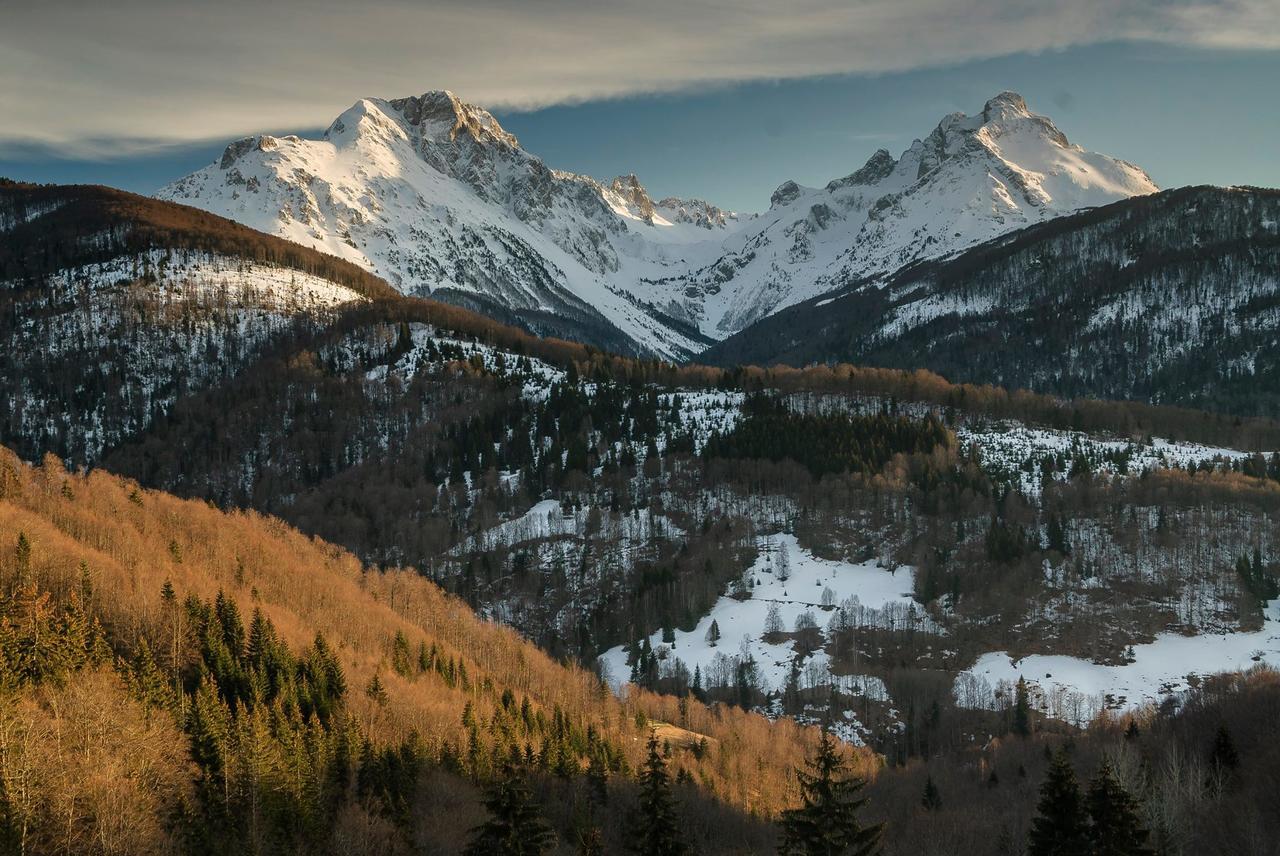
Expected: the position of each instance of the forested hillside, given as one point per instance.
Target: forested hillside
(225, 684)
(1168, 298)
(179, 679)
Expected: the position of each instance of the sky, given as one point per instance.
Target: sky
(719, 99)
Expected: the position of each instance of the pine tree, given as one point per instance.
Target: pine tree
(598, 778)
(401, 661)
(376, 691)
(515, 826)
(1116, 829)
(713, 632)
(22, 559)
(657, 826)
(1224, 756)
(1061, 827)
(932, 800)
(826, 824)
(1021, 710)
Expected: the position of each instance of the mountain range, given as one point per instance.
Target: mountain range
(433, 195)
(953, 575)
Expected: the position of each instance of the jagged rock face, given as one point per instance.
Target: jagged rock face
(698, 212)
(634, 196)
(434, 195)
(1171, 297)
(970, 180)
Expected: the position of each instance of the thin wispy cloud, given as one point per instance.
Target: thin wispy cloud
(157, 70)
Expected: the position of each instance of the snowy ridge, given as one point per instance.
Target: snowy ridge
(432, 194)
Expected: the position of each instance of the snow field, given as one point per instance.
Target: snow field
(742, 622)
(1075, 689)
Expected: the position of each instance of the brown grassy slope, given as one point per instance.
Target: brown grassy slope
(133, 540)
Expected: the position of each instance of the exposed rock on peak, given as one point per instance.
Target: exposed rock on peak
(236, 150)
(633, 194)
(1005, 102)
(786, 193)
(441, 111)
(876, 169)
(699, 212)
(433, 194)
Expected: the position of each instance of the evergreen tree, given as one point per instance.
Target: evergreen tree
(1116, 829)
(515, 826)
(657, 827)
(1224, 755)
(826, 823)
(1061, 829)
(1021, 710)
(713, 632)
(1057, 535)
(932, 800)
(22, 558)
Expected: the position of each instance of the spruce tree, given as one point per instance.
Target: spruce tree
(1021, 710)
(1224, 755)
(1116, 829)
(657, 826)
(1061, 829)
(826, 823)
(515, 826)
(932, 800)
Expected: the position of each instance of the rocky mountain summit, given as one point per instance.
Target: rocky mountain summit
(433, 194)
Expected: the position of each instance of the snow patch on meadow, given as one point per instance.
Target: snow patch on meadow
(742, 622)
(1076, 689)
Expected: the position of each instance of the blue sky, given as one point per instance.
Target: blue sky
(1186, 113)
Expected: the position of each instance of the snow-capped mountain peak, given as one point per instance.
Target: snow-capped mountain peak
(433, 194)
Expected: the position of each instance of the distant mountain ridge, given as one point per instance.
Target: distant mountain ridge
(433, 194)
(1172, 298)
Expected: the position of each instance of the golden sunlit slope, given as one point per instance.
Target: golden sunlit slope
(419, 666)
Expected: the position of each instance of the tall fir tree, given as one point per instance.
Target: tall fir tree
(826, 823)
(1061, 829)
(1115, 826)
(932, 799)
(657, 825)
(515, 826)
(1224, 756)
(1021, 709)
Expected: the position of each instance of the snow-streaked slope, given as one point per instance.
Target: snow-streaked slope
(973, 179)
(100, 350)
(432, 194)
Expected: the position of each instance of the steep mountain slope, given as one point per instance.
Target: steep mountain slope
(1172, 298)
(973, 178)
(432, 194)
(114, 305)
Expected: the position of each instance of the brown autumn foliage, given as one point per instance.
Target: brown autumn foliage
(132, 541)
